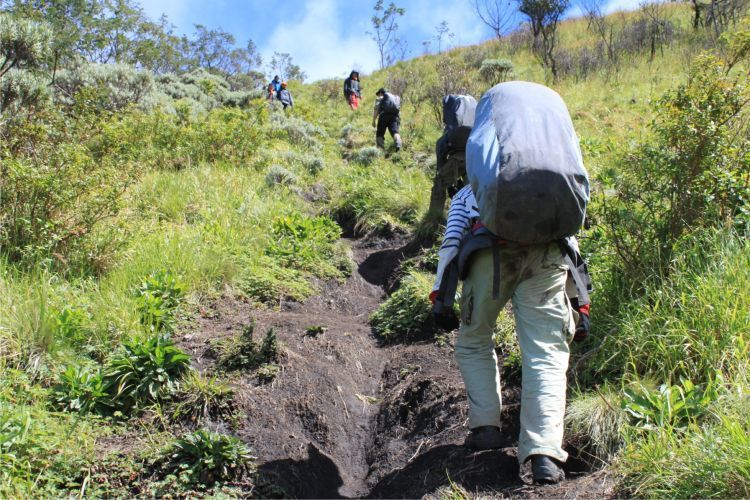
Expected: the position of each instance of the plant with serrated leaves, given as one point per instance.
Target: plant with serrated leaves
(244, 353)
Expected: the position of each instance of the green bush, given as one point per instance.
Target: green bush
(309, 244)
(691, 175)
(407, 311)
(146, 369)
(203, 458)
(494, 71)
(157, 297)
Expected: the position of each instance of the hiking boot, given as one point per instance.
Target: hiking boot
(486, 437)
(545, 470)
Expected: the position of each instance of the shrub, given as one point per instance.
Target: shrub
(278, 175)
(691, 175)
(494, 71)
(308, 244)
(157, 297)
(147, 369)
(109, 87)
(407, 311)
(203, 458)
(366, 155)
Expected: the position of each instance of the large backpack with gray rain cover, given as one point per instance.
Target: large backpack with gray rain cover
(458, 111)
(525, 166)
(391, 104)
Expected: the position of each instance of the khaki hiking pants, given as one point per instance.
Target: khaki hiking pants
(533, 278)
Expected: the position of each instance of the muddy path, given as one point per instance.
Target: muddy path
(348, 418)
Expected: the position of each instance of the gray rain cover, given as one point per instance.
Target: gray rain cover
(458, 111)
(525, 166)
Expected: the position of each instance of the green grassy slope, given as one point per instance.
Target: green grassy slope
(243, 202)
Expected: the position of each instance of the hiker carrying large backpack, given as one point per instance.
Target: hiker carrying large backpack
(450, 151)
(388, 114)
(516, 243)
(352, 90)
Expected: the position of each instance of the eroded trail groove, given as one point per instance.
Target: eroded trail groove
(349, 418)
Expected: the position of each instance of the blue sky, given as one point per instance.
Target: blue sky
(327, 38)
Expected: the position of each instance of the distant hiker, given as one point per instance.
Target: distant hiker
(514, 241)
(274, 87)
(285, 97)
(450, 150)
(352, 90)
(387, 113)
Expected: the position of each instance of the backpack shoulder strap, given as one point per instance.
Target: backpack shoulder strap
(578, 269)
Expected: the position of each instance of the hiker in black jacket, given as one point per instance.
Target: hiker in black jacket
(387, 113)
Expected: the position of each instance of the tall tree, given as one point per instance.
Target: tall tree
(385, 32)
(442, 31)
(281, 64)
(499, 15)
(544, 16)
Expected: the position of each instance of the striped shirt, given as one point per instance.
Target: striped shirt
(461, 215)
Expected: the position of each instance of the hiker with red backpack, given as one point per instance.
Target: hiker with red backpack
(352, 90)
(387, 112)
(510, 237)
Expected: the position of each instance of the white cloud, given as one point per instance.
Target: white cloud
(618, 5)
(317, 45)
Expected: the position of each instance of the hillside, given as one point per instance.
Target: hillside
(206, 295)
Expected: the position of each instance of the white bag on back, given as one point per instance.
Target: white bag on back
(525, 166)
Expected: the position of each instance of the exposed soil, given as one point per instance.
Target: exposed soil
(347, 417)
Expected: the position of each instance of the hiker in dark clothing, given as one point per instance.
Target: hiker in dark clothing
(387, 112)
(274, 87)
(352, 90)
(450, 150)
(285, 97)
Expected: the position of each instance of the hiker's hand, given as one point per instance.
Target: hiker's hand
(447, 320)
(584, 325)
(433, 296)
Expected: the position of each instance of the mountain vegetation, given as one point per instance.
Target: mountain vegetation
(144, 177)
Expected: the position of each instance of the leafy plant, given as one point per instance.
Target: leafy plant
(673, 406)
(244, 353)
(157, 297)
(203, 458)
(147, 369)
(407, 311)
(81, 389)
(72, 324)
(200, 398)
(309, 244)
(267, 372)
(315, 330)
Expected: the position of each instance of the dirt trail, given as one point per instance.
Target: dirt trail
(349, 418)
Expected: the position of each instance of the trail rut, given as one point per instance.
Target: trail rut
(348, 418)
